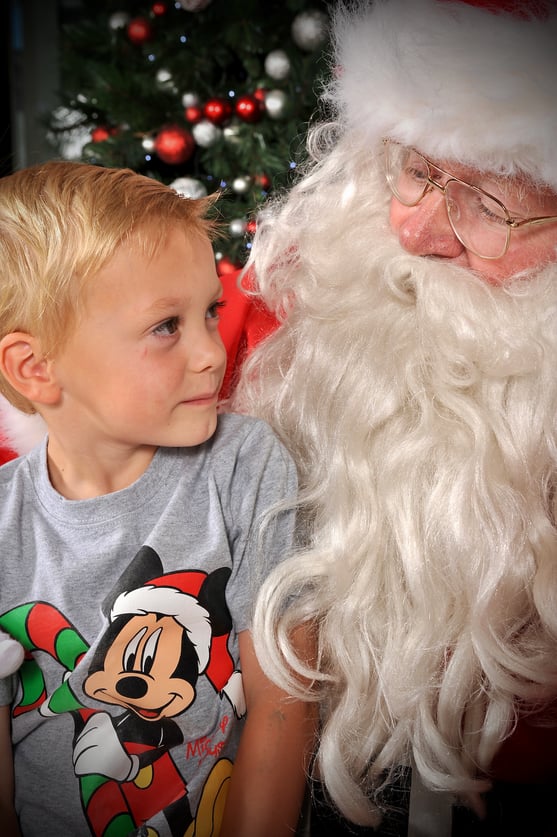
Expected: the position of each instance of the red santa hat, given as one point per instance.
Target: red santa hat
(173, 601)
(460, 80)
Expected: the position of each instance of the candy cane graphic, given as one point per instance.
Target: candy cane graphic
(42, 627)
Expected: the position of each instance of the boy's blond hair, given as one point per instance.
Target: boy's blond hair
(60, 223)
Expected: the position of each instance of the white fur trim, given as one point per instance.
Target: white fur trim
(234, 691)
(170, 602)
(20, 431)
(458, 82)
(11, 654)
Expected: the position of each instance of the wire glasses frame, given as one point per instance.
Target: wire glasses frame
(496, 222)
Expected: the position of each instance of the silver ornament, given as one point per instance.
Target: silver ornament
(118, 20)
(276, 103)
(206, 134)
(74, 134)
(240, 185)
(164, 79)
(277, 64)
(309, 29)
(189, 187)
(237, 227)
(190, 100)
(148, 144)
(232, 133)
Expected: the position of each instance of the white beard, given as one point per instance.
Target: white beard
(420, 404)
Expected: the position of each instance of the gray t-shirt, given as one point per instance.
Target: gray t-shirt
(128, 709)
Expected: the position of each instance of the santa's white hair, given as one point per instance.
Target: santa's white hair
(420, 404)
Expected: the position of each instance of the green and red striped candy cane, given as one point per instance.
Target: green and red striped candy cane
(40, 626)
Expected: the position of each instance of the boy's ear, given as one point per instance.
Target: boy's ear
(25, 367)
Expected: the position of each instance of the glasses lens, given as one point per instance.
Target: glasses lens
(478, 220)
(406, 172)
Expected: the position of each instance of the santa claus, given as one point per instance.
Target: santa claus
(413, 378)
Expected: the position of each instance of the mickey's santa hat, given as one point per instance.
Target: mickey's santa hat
(176, 595)
(460, 80)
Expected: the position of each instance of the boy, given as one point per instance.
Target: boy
(132, 538)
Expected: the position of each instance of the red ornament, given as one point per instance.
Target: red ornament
(248, 108)
(159, 8)
(264, 181)
(217, 111)
(139, 30)
(174, 145)
(251, 227)
(193, 114)
(225, 265)
(260, 94)
(100, 134)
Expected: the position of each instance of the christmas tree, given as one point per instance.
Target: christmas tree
(204, 95)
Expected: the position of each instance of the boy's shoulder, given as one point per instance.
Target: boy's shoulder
(242, 438)
(16, 471)
(240, 429)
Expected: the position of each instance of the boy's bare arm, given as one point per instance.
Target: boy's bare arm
(270, 772)
(8, 820)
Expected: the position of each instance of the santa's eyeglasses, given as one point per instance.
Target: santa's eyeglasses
(480, 221)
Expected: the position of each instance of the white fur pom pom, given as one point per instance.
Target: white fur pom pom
(20, 431)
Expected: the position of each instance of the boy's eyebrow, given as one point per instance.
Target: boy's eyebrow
(165, 302)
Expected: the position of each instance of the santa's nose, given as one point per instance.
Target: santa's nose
(424, 229)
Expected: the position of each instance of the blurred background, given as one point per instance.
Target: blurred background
(203, 95)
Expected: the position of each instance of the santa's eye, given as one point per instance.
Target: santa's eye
(130, 652)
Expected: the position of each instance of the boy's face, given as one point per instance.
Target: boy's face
(146, 362)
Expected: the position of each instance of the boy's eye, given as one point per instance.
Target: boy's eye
(213, 310)
(169, 326)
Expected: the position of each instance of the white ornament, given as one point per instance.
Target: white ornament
(206, 134)
(193, 5)
(277, 64)
(189, 187)
(237, 227)
(190, 99)
(148, 144)
(118, 20)
(309, 29)
(165, 80)
(240, 185)
(276, 102)
(75, 132)
(232, 133)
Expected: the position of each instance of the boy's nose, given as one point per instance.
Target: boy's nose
(209, 352)
(425, 230)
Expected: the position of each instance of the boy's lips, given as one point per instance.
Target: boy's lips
(202, 398)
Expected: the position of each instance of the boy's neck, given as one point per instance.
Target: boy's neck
(84, 475)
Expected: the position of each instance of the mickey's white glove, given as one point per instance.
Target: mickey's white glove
(99, 750)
